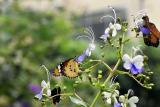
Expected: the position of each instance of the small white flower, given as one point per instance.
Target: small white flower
(112, 29)
(108, 96)
(43, 83)
(132, 101)
(128, 101)
(139, 22)
(48, 92)
(39, 95)
(45, 86)
(90, 49)
(122, 98)
(106, 34)
(117, 26)
(91, 46)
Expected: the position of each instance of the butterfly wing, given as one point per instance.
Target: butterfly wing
(55, 93)
(57, 71)
(70, 68)
(154, 41)
(154, 30)
(152, 38)
(155, 35)
(146, 35)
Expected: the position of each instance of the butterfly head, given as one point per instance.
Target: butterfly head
(145, 18)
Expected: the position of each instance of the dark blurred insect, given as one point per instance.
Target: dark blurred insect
(151, 35)
(55, 93)
(68, 68)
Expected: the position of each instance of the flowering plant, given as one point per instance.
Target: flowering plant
(134, 66)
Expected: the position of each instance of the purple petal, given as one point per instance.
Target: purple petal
(117, 105)
(105, 36)
(81, 58)
(135, 70)
(34, 88)
(39, 96)
(25, 104)
(51, 71)
(145, 30)
(141, 70)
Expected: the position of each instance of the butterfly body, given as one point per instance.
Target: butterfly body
(151, 35)
(68, 68)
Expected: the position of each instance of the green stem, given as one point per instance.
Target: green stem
(126, 73)
(105, 64)
(92, 67)
(117, 64)
(111, 73)
(95, 99)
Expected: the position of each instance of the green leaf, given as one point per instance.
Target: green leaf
(78, 101)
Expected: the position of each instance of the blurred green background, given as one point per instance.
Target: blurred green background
(29, 39)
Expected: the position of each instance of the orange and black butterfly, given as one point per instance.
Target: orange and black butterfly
(151, 35)
(55, 93)
(68, 68)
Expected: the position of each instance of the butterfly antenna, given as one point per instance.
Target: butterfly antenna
(141, 13)
(134, 19)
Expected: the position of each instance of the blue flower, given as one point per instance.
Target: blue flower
(39, 95)
(91, 46)
(139, 22)
(34, 88)
(144, 30)
(86, 53)
(132, 101)
(45, 86)
(135, 64)
(111, 30)
(81, 58)
(108, 96)
(117, 105)
(135, 70)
